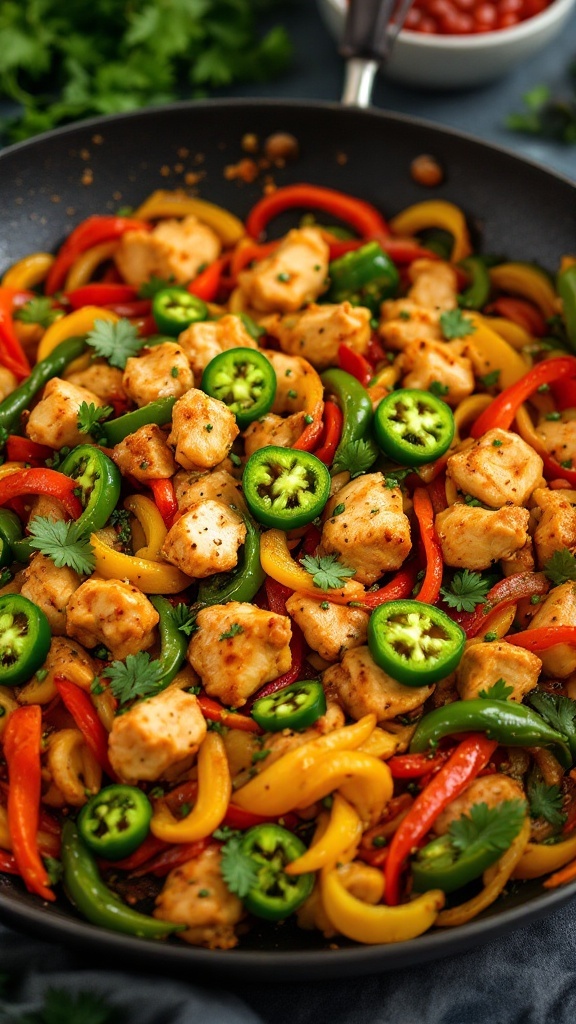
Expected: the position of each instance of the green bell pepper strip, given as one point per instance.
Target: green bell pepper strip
(415, 643)
(514, 725)
(244, 380)
(476, 295)
(284, 488)
(294, 707)
(24, 639)
(174, 309)
(413, 427)
(244, 582)
(364, 277)
(566, 285)
(99, 483)
(277, 895)
(159, 412)
(173, 642)
(10, 534)
(115, 821)
(95, 901)
(356, 407)
(14, 405)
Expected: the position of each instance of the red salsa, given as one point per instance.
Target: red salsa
(464, 17)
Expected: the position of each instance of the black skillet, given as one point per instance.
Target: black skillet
(513, 207)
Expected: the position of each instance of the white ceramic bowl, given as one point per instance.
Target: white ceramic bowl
(448, 62)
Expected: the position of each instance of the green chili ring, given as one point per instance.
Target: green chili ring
(174, 309)
(285, 488)
(413, 427)
(115, 821)
(277, 895)
(294, 707)
(244, 380)
(417, 644)
(99, 483)
(24, 639)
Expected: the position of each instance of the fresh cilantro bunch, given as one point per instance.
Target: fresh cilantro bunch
(116, 342)
(62, 1007)
(455, 324)
(356, 457)
(38, 310)
(547, 115)
(90, 418)
(545, 801)
(64, 61)
(498, 691)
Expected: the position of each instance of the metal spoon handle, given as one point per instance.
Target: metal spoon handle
(369, 34)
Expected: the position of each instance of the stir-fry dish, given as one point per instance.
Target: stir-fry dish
(288, 594)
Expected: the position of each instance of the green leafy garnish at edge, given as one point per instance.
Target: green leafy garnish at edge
(39, 310)
(135, 678)
(154, 285)
(466, 590)
(64, 543)
(438, 389)
(558, 711)
(184, 618)
(545, 801)
(356, 457)
(561, 567)
(495, 827)
(498, 691)
(546, 115)
(455, 324)
(326, 570)
(90, 418)
(238, 870)
(115, 342)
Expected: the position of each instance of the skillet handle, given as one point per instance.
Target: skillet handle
(369, 34)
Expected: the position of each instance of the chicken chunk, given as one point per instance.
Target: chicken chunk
(556, 527)
(205, 540)
(203, 341)
(237, 648)
(559, 437)
(558, 609)
(362, 688)
(425, 361)
(291, 277)
(173, 250)
(51, 589)
(273, 429)
(65, 658)
(54, 421)
(145, 455)
(498, 469)
(294, 377)
(203, 430)
(372, 534)
(434, 284)
(196, 895)
(484, 664)
(473, 538)
(521, 561)
(404, 321)
(103, 380)
(160, 372)
(156, 735)
(50, 508)
(8, 382)
(491, 790)
(317, 333)
(330, 629)
(218, 485)
(112, 613)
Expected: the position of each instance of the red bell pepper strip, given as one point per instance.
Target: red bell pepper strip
(172, 857)
(520, 312)
(463, 765)
(360, 215)
(543, 637)
(332, 432)
(503, 409)
(376, 352)
(507, 591)
(355, 364)
(401, 586)
(564, 392)
(12, 355)
(216, 712)
(100, 294)
(147, 849)
(83, 712)
(437, 492)
(206, 285)
(22, 449)
(277, 595)
(414, 766)
(8, 865)
(22, 742)
(165, 499)
(311, 433)
(130, 310)
(89, 233)
(41, 481)
(423, 509)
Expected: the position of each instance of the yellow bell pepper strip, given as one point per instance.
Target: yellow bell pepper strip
(540, 859)
(214, 791)
(468, 410)
(494, 354)
(163, 203)
(528, 281)
(370, 924)
(151, 522)
(435, 213)
(149, 576)
(81, 321)
(344, 831)
(277, 562)
(86, 263)
(494, 881)
(516, 335)
(29, 271)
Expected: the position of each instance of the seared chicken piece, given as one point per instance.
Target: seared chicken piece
(272, 429)
(237, 648)
(318, 332)
(203, 341)
(51, 589)
(484, 664)
(156, 735)
(556, 527)
(205, 540)
(404, 321)
(112, 613)
(362, 688)
(559, 437)
(425, 361)
(203, 430)
(173, 250)
(103, 380)
(162, 371)
(434, 284)
(330, 629)
(292, 276)
(219, 485)
(491, 790)
(521, 561)
(473, 538)
(196, 895)
(498, 469)
(145, 454)
(558, 609)
(54, 421)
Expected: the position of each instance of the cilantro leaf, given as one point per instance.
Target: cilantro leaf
(438, 389)
(120, 520)
(395, 477)
(116, 342)
(558, 711)
(238, 870)
(184, 618)
(455, 324)
(489, 380)
(495, 827)
(466, 590)
(561, 567)
(39, 310)
(545, 801)
(498, 691)
(327, 571)
(154, 285)
(234, 630)
(356, 457)
(64, 543)
(90, 417)
(135, 678)
(61, 1007)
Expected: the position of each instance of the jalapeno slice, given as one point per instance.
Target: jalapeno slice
(98, 480)
(174, 309)
(285, 489)
(415, 643)
(413, 427)
(244, 380)
(277, 895)
(115, 822)
(294, 707)
(24, 639)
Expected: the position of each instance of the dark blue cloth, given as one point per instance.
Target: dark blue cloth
(527, 977)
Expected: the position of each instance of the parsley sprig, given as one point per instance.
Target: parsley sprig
(115, 342)
(65, 543)
(39, 310)
(495, 827)
(185, 618)
(466, 590)
(455, 324)
(327, 571)
(561, 567)
(136, 677)
(90, 418)
(498, 691)
(238, 870)
(356, 457)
